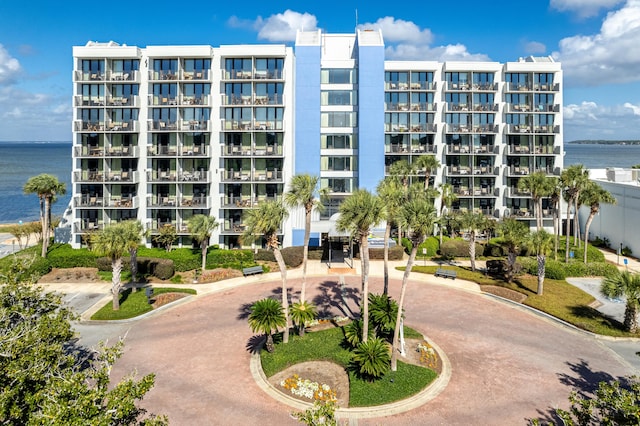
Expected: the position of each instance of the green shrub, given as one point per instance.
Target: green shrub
(495, 248)
(459, 248)
(264, 255)
(407, 244)
(234, 259)
(626, 251)
(432, 244)
(64, 256)
(315, 253)
(292, 256)
(395, 253)
(601, 269)
(162, 268)
(554, 270)
(176, 279)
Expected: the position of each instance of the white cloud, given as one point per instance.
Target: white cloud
(583, 8)
(9, 66)
(281, 27)
(589, 120)
(611, 56)
(399, 30)
(535, 47)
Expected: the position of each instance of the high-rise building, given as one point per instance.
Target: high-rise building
(165, 132)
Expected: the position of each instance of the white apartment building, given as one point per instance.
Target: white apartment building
(165, 132)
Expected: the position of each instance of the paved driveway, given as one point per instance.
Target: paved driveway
(507, 364)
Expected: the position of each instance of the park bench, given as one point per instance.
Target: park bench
(252, 270)
(446, 273)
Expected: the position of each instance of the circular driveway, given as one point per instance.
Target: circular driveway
(508, 365)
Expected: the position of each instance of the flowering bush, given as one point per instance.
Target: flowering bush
(308, 389)
(428, 355)
(337, 319)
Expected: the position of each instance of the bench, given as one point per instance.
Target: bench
(446, 273)
(252, 270)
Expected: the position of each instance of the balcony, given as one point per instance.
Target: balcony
(82, 226)
(484, 87)
(519, 87)
(485, 107)
(460, 86)
(88, 176)
(248, 74)
(458, 106)
(88, 101)
(195, 176)
(128, 76)
(88, 201)
(162, 201)
(414, 128)
(546, 87)
(194, 151)
(162, 100)
(240, 201)
(244, 151)
(258, 100)
(91, 76)
(516, 192)
(162, 126)
(457, 149)
(194, 100)
(193, 125)
(257, 176)
(122, 151)
(156, 224)
(194, 201)
(518, 170)
(252, 125)
(163, 75)
(162, 151)
(122, 126)
(458, 170)
(233, 227)
(123, 101)
(88, 151)
(122, 176)
(122, 202)
(162, 176)
(89, 126)
(194, 75)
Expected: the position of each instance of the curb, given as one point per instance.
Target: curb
(427, 394)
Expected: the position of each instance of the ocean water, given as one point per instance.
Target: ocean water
(21, 160)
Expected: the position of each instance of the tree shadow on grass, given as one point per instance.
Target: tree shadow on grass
(584, 380)
(589, 313)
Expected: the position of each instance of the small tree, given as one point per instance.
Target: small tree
(427, 164)
(626, 284)
(371, 359)
(447, 197)
(265, 317)
(473, 223)
(540, 243)
(301, 313)
(134, 233)
(46, 187)
(112, 242)
(383, 311)
(167, 235)
(514, 233)
(201, 227)
(392, 195)
(539, 186)
(593, 195)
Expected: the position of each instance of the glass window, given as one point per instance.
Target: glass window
(338, 119)
(337, 76)
(342, 141)
(337, 97)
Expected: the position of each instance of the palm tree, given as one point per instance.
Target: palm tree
(474, 223)
(418, 216)
(201, 227)
(402, 171)
(383, 311)
(302, 192)
(514, 233)
(265, 317)
(371, 359)
(540, 243)
(573, 179)
(133, 234)
(593, 195)
(392, 196)
(46, 187)
(539, 186)
(447, 197)
(266, 220)
(113, 243)
(358, 213)
(554, 197)
(428, 164)
(301, 313)
(626, 284)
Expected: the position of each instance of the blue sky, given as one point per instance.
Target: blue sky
(597, 42)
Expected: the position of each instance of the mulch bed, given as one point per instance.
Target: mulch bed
(504, 292)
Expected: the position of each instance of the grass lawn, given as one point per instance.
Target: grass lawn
(560, 299)
(328, 345)
(133, 304)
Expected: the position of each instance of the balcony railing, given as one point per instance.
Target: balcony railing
(246, 176)
(123, 101)
(194, 100)
(252, 125)
(96, 76)
(162, 151)
(122, 202)
(246, 201)
(88, 200)
(519, 87)
(194, 201)
(527, 170)
(162, 176)
(88, 176)
(128, 76)
(248, 74)
(126, 176)
(452, 106)
(514, 191)
(194, 75)
(156, 224)
(88, 151)
(413, 149)
(243, 151)
(195, 176)
(81, 226)
(458, 149)
(485, 107)
(162, 201)
(275, 99)
(162, 126)
(194, 151)
(122, 151)
(414, 128)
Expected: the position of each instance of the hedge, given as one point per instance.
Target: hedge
(235, 259)
(395, 253)
(559, 270)
(64, 256)
(432, 244)
(459, 248)
(184, 259)
(160, 268)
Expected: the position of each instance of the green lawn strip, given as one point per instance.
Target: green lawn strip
(134, 304)
(408, 380)
(560, 299)
(327, 345)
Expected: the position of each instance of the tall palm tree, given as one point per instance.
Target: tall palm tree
(134, 232)
(539, 185)
(401, 171)
(626, 284)
(46, 187)
(555, 196)
(201, 227)
(112, 242)
(266, 220)
(392, 196)
(358, 213)
(573, 179)
(540, 243)
(474, 223)
(514, 233)
(302, 192)
(447, 197)
(418, 216)
(429, 164)
(593, 195)
(265, 317)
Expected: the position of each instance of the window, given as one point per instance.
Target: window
(92, 66)
(337, 142)
(483, 78)
(337, 164)
(341, 185)
(338, 97)
(269, 68)
(338, 76)
(197, 114)
(238, 67)
(165, 66)
(124, 90)
(338, 119)
(197, 64)
(121, 66)
(124, 115)
(421, 80)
